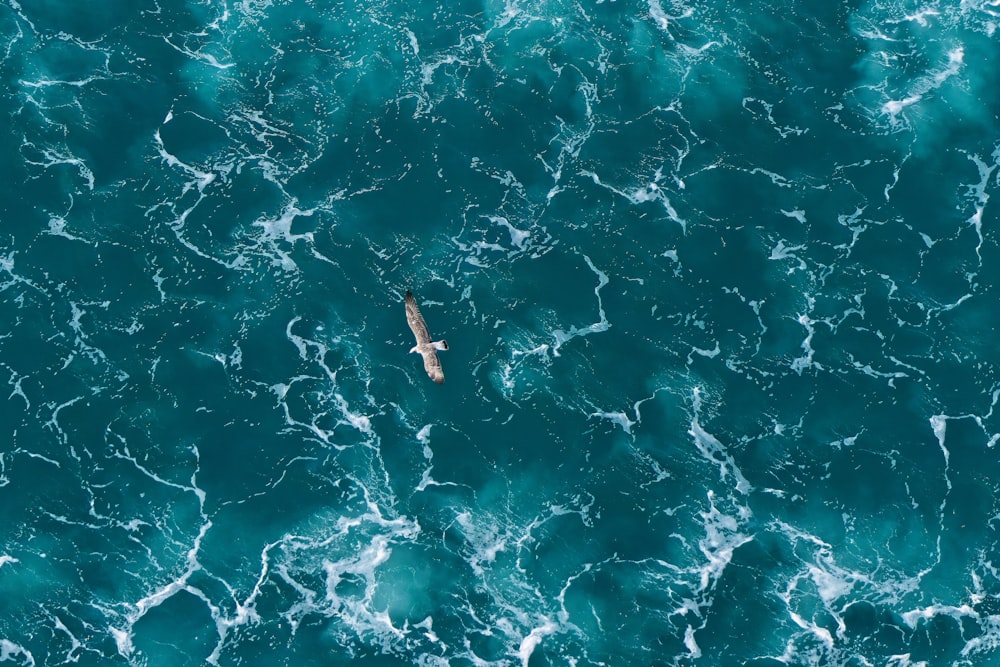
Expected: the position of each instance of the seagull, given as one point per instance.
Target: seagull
(424, 346)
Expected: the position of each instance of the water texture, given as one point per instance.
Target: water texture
(719, 281)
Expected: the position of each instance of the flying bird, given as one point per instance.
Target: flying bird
(424, 346)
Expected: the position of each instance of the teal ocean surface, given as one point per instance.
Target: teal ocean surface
(720, 285)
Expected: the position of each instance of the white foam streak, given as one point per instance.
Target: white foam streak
(75, 644)
(893, 107)
(570, 139)
(797, 214)
(315, 352)
(533, 639)
(93, 353)
(722, 538)
(510, 11)
(781, 251)
(428, 69)
(157, 598)
(201, 178)
(485, 540)
(598, 327)
(912, 617)
(939, 424)
(518, 237)
(926, 84)
(52, 158)
(357, 612)
(806, 360)
(702, 352)
(713, 451)
(662, 19)
(617, 418)
(280, 229)
(246, 611)
(694, 651)
(979, 192)
(53, 422)
(423, 437)
(7, 266)
(127, 455)
(366, 544)
(57, 227)
(647, 193)
(206, 58)
(123, 637)
(821, 633)
(921, 17)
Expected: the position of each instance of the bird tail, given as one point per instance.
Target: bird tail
(440, 345)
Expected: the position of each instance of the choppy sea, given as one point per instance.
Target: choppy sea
(719, 281)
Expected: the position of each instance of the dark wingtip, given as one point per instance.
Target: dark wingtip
(409, 294)
(444, 344)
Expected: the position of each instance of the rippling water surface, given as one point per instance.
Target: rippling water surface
(719, 281)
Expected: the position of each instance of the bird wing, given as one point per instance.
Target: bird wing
(417, 324)
(432, 365)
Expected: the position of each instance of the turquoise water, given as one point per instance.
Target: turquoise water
(719, 284)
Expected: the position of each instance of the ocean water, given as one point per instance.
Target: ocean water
(719, 281)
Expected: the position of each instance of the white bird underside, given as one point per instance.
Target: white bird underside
(425, 347)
